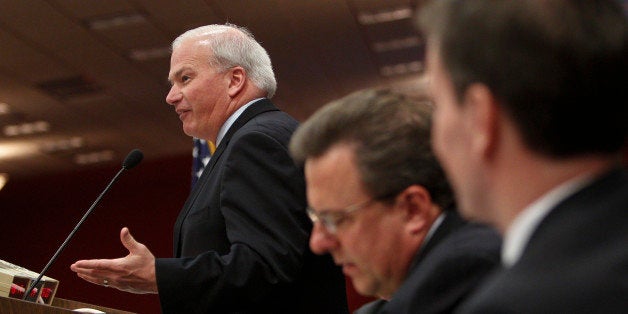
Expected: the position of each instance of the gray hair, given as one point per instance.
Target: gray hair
(234, 45)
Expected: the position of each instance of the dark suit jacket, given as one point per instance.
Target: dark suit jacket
(446, 270)
(575, 262)
(241, 239)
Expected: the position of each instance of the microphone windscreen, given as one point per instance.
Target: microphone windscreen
(132, 159)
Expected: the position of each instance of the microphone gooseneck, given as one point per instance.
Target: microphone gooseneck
(131, 160)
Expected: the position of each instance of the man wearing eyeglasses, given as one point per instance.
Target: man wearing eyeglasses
(382, 207)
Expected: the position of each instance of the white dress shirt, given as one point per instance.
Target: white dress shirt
(234, 116)
(522, 227)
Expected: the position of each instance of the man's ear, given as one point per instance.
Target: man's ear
(484, 119)
(418, 209)
(237, 80)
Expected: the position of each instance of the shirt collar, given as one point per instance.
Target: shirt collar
(234, 116)
(525, 223)
(433, 227)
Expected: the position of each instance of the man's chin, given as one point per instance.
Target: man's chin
(363, 286)
(189, 132)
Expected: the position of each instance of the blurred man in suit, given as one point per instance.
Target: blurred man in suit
(240, 241)
(530, 120)
(382, 207)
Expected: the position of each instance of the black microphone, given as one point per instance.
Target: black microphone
(131, 160)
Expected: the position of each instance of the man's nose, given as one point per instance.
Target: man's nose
(174, 95)
(321, 241)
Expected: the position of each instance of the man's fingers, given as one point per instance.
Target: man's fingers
(97, 280)
(94, 264)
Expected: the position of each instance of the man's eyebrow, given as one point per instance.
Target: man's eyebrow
(328, 212)
(176, 74)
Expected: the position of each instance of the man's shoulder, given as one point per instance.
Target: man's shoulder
(465, 239)
(589, 223)
(275, 124)
(455, 265)
(574, 262)
(277, 117)
(474, 236)
(556, 281)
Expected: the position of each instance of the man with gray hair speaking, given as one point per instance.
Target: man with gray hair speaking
(240, 241)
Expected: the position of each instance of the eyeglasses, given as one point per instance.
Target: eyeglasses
(332, 219)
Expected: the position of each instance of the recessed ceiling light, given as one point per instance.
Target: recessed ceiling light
(116, 21)
(389, 15)
(4, 108)
(17, 149)
(397, 44)
(94, 157)
(27, 128)
(62, 145)
(150, 54)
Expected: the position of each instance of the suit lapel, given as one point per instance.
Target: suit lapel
(451, 222)
(257, 108)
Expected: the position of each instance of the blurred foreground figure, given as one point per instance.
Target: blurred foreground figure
(530, 121)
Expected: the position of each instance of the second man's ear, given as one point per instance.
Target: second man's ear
(419, 209)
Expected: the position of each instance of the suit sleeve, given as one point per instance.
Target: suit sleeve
(262, 201)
